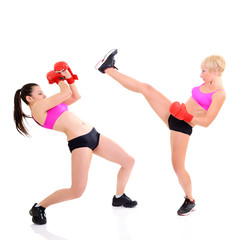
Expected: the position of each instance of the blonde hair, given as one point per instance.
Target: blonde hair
(214, 63)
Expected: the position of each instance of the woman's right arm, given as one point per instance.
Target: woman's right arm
(217, 102)
(62, 96)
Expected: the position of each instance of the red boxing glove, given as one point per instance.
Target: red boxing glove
(59, 66)
(180, 112)
(54, 77)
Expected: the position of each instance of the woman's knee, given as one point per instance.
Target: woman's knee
(179, 170)
(129, 163)
(146, 89)
(77, 192)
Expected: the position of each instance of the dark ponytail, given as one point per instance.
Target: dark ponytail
(18, 113)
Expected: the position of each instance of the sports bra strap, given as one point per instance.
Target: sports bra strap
(219, 90)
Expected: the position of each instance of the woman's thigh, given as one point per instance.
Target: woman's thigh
(111, 151)
(81, 159)
(179, 144)
(159, 103)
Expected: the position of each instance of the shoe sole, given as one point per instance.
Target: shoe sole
(125, 206)
(100, 63)
(188, 213)
(115, 205)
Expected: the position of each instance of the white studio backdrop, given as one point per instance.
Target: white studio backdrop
(159, 42)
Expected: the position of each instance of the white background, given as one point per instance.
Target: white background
(159, 42)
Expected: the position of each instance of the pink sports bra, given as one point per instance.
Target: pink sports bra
(53, 114)
(203, 99)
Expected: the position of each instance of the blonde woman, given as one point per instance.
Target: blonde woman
(200, 109)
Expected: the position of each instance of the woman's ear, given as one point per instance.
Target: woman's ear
(216, 73)
(29, 99)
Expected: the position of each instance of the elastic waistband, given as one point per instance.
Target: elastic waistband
(72, 140)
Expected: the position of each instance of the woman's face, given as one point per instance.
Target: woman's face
(207, 76)
(37, 94)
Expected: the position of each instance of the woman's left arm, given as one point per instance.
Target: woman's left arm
(75, 94)
(217, 101)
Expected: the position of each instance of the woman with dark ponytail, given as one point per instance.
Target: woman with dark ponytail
(83, 139)
(18, 114)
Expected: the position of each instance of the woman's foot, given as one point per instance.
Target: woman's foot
(107, 62)
(187, 207)
(38, 214)
(124, 201)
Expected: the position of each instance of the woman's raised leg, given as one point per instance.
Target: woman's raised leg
(159, 103)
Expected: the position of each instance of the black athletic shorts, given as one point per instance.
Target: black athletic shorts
(179, 125)
(89, 140)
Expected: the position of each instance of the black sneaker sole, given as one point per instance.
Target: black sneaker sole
(188, 213)
(123, 205)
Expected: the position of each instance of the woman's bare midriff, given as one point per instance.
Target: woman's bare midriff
(71, 125)
(194, 109)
